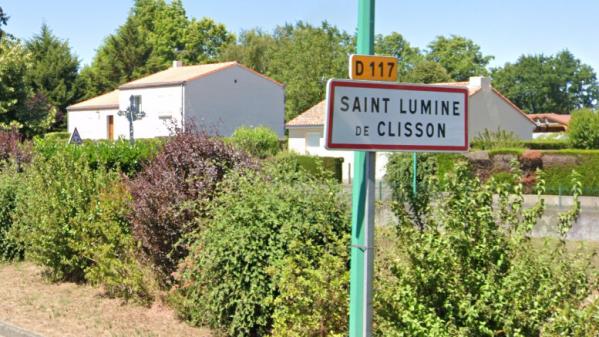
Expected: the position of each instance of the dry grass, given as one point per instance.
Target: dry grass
(67, 309)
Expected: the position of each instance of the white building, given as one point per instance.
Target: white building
(487, 109)
(217, 97)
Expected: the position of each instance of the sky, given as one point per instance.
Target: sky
(505, 29)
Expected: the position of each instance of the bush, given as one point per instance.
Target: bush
(583, 130)
(546, 144)
(107, 241)
(173, 190)
(11, 148)
(584, 161)
(10, 183)
(487, 140)
(242, 269)
(399, 177)
(260, 141)
(323, 167)
(62, 136)
(472, 269)
(118, 155)
(51, 208)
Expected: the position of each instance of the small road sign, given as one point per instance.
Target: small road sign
(75, 138)
(373, 68)
(371, 116)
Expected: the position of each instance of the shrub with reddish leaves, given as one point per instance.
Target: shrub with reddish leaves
(172, 192)
(12, 148)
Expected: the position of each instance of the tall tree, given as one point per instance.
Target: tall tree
(426, 71)
(20, 107)
(3, 21)
(396, 45)
(539, 83)
(154, 34)
(304, 58)
(53, 71)
(204, 40)
(251, 50)
(461, 57)
(167, 38)
(123, 57)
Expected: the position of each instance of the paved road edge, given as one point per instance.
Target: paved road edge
(9, 330)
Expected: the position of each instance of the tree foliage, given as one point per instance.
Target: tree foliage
(396, 45)
(304, 58)
(252, 49)
(461, 57)
(3, 21)
(20, 107)
(426, 71)
(54, 70)
(154, 35)
(538, 83)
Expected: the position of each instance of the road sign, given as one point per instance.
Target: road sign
(373, 68)
(75, 138)
(371, 116)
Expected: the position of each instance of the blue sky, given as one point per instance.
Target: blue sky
(505, 29)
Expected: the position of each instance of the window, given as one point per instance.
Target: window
(313, 139)
(135, 103)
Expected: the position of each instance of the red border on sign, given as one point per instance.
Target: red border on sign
(381, 85)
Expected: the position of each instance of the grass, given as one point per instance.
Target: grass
(67, 309)
(558, 178)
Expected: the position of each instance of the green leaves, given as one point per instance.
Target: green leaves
(461, 57)
(155, 34)
(272, 236)
(474, 270)
(260, 142)
(583, 131)
(538, 83)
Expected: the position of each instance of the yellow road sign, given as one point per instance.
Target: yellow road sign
(373, 68)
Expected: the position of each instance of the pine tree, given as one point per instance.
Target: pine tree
(53, 71)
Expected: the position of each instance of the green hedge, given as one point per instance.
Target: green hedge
(107, 154)
(58, 135)
(546, 144)
(317, 166)
(558, 177)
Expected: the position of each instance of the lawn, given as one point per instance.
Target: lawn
(68, 309)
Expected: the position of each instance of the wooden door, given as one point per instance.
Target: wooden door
(110, 121)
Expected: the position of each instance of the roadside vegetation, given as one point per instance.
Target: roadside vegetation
(255, 245)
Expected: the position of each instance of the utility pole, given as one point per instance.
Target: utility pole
(133, 113)
(363, 197)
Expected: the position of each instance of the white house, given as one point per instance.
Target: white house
(217, 97)
(487, 107)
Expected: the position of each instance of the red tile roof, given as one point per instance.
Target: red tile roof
(551, 117)
(107, 101)
(311, 117)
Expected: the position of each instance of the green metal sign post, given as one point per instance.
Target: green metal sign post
(414, 169)
(363, 196)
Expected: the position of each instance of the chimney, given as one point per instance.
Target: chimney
(484, 83)
(177, 64)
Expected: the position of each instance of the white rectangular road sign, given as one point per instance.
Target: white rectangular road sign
(373, 116)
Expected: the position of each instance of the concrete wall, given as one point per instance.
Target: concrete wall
(92, 124)
(234, 97)
(489, 111)
(163, 108)
(310, 141)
